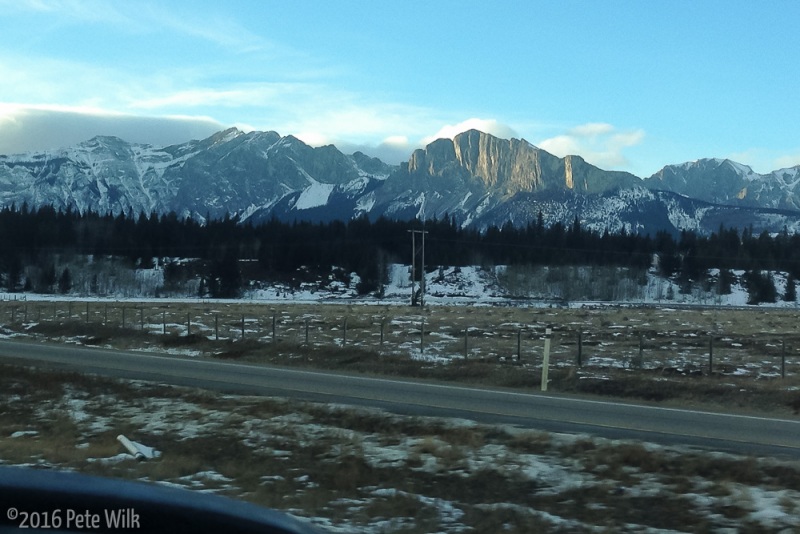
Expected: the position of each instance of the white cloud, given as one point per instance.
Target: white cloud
(591, 129)
(600, 144)
(784, 162)
(36, 128)
(490, 126)
(239, 95)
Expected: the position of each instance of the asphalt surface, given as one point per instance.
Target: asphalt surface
(744, 434)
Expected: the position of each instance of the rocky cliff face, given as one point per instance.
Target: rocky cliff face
(511, 166)
(475, 172)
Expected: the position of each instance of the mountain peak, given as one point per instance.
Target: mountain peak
(226, 135)
(103, 140)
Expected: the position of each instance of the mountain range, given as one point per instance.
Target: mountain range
(477, 179)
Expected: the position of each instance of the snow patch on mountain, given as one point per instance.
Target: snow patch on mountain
(682, 219)
(314, 195)
(365, 203)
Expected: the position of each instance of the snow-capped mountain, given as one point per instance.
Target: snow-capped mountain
(229, 173)
(723, 181)
(476, 178)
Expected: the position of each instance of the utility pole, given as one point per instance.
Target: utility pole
(413, 268)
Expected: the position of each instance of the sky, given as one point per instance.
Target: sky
(627, 85)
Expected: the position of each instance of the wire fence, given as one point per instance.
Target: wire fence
(410, 332)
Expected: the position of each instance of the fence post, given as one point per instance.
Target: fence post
(141, 317)
(640, 358)
(87, 312)
(344, 337)
(273, 328)
(783, 358)
(216, 327)
(383, 326)
(164, 322)
(519, 345)
(25, 312)
(466, 342)
(422, 337)
(546, 360)
(580, 349)
(188, 323)
(710, 354)
(242, 327)
(123, 317)
(105, 314)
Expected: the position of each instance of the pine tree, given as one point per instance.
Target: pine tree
(65, 281)
(790, 295)
(47, 279)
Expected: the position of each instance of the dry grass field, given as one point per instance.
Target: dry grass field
(366, 471)
(356, 470)
(743, 358)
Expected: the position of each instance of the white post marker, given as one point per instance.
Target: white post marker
(548, 333)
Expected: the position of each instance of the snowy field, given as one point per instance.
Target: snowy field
(356, 470)
(365, 471)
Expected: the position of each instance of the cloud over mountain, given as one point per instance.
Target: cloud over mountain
(601, 144)
(38, 128)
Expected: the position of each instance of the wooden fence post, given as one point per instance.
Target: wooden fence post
(466, 343)
(519, 344)
(242, 327)
(546, 359)
(640, 357)
(273, 328)
(710, 354)
(344, 337)
(580, 349)
(783, 358)
(422, 337)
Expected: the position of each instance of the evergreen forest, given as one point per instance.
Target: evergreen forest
(41, 249)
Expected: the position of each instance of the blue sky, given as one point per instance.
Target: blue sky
(628, 85)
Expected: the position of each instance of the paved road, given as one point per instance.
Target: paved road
(726, 432)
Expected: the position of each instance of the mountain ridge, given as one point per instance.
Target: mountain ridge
(477, 179)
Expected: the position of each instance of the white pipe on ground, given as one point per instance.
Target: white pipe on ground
(133, 449)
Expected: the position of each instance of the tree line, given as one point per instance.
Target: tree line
(35, 243)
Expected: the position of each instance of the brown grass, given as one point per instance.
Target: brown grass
(332, 467)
